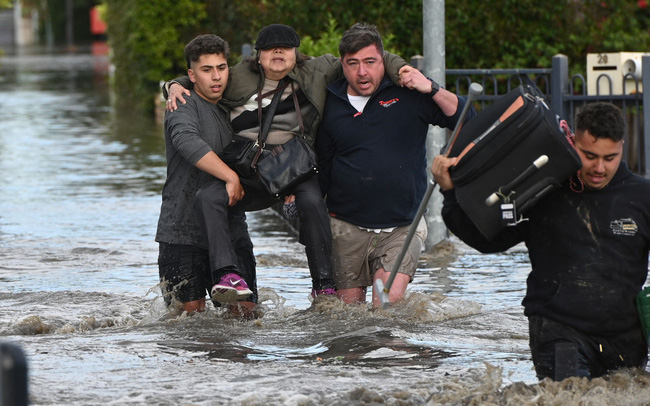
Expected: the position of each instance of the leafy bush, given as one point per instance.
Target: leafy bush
(328, 42)
(148, 37)
(147, 40)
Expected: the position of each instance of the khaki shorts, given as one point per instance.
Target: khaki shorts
(357, 254)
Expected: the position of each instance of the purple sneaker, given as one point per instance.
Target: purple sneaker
(322, 292)
(230, 288)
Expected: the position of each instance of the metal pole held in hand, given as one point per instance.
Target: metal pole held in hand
(475, 91)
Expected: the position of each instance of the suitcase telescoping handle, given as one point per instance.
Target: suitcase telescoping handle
(504, 191)
(514, 107)
(382, 290)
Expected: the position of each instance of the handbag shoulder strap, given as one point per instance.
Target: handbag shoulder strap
(268, 118)
(266, 125)
(297, 107)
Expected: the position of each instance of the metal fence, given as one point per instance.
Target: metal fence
(567, 94)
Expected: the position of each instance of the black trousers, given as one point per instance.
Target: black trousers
(314, 231)
(559, 351)
(228, 243)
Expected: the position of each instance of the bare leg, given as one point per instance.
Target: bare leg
(352, 295)
(397, 289)
(194, 306)
(243, 310)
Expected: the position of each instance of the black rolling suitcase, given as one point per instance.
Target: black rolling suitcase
(511, 154)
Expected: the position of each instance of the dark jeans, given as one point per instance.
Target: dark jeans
(559, 351)
(226, 234)
(315, 233)
(186, 272)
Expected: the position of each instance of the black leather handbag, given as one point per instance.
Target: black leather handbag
(286, 166)
(279, 169)
(239, 155)
(243, 154)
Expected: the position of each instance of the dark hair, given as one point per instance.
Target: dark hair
(206, 44)
(602, 120)
(254, 61)
(359, 36)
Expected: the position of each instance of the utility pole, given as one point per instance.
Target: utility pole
(69, 24)
(433, 16)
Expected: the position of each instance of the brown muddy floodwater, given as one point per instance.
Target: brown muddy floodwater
(79, 201)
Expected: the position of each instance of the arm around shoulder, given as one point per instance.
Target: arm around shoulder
(181, 80)
(327, 66)
(394, 63)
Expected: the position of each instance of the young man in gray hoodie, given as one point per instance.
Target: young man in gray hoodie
(203, 248)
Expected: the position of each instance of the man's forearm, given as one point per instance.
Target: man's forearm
(212, 164)
(447, 101)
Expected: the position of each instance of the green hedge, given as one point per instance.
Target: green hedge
(147, 38)
(147, 41)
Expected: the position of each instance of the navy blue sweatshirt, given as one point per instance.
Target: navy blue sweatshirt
(588, 251)
(373, 164)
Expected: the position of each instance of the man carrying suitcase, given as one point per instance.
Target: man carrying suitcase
(588, 244)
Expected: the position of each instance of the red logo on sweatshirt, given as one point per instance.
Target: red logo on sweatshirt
(388, 103)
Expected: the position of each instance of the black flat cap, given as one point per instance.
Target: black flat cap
(277, 35)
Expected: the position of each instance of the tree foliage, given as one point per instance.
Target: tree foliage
(395, 19)
(147, 41)
(528, 33)
(148, 37)
(328, 42)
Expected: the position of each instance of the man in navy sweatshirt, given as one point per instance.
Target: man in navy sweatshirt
(371, 149)
(588, 245)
